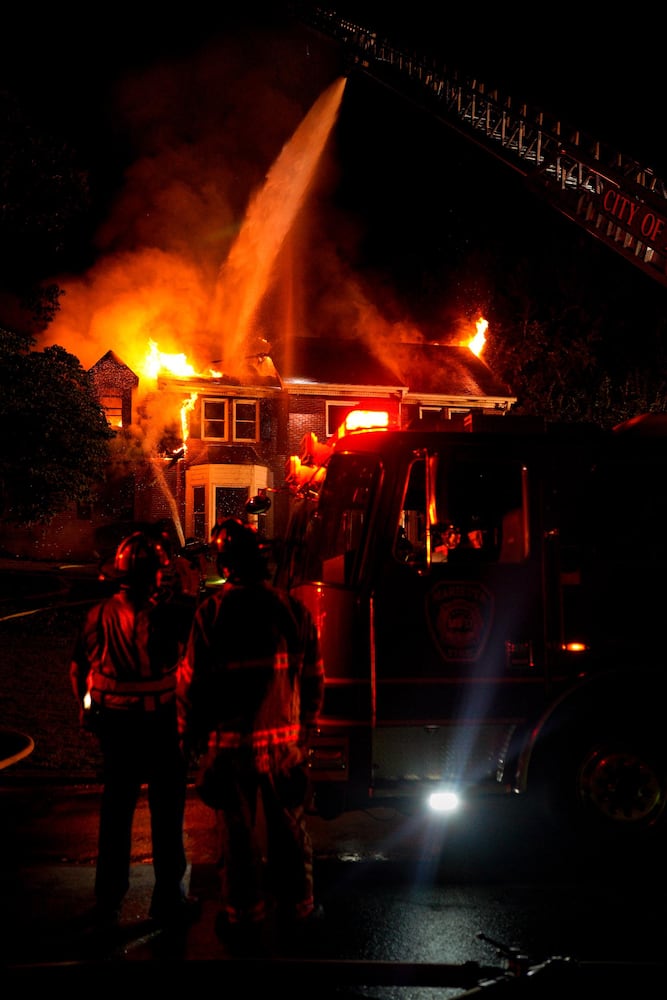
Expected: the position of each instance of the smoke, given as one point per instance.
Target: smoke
(223, 231)
(199, 136)
(128, 299)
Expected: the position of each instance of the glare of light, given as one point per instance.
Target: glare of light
(366, 420)
(444, 801)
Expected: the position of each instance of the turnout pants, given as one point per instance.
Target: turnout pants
(141, 748)
(278, 796)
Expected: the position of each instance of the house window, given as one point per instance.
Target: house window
(442, 412)
(242, 413)
(336, 413)
(214, 419)
(245, 420)
(113, 410)
(199, 511)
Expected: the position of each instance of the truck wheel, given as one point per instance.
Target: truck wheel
(621, 784)
(613, 787)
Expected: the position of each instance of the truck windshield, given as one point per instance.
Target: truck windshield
(475, 508)
(478, 506)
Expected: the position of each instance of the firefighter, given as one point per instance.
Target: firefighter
(251, 687)
(123, 673)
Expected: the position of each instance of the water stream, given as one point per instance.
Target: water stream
(246, 274)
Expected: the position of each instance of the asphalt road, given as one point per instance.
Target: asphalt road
(406, 899)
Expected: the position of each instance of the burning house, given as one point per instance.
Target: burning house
(190, 448)
(236, 435)
(194, 443)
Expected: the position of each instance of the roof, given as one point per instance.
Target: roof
(417, 369)
(321, 360)
(421, 369)
(111, 363)
(436, 369)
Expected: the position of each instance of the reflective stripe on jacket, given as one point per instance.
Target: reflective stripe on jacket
(253, 673)
(127, 655)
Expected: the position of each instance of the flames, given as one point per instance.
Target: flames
(157, 361)
(476, 343)
(187, 406)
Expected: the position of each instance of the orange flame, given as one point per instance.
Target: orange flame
(187, 406)
(156, 361)
(476, 343)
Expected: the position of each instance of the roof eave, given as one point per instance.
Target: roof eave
(341, 390)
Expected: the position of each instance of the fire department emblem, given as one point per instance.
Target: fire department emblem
(459, 614)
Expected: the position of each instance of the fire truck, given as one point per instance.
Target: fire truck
(490, 597)
(488, 590)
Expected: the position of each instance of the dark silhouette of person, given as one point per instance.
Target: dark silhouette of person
(123, 673)
(251, 687)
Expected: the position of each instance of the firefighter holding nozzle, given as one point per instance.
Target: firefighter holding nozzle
(250, 690)
(123, 673)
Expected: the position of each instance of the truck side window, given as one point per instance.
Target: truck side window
(300, 561)
(483, 501)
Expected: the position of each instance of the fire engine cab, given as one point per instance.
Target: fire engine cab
(490, 595)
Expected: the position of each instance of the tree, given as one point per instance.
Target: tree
(54, 436)
(581, 341)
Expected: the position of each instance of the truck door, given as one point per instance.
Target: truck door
(456, 618)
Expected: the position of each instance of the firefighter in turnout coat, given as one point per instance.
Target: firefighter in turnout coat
(123, 673)
(251, 687)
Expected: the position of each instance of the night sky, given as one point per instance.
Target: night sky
(399, 201)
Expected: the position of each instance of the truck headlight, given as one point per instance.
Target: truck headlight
(444, 801)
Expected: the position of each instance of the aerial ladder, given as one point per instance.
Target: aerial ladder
(609, 194)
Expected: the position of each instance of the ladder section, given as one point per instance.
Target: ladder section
(612, 196)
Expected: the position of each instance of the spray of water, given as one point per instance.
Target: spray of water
(245, 276)
(246, 273)
(169, 497)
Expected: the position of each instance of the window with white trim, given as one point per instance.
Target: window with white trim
(447, 412)
(230, 419)
(246, 414)
(214, 419)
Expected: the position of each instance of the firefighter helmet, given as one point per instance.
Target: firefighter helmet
(139, 558)
(241, 557)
